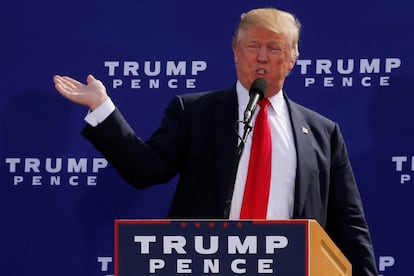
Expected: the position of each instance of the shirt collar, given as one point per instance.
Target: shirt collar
(277, 101)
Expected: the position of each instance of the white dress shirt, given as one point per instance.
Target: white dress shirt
(282, 180)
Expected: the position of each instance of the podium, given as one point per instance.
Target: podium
(223, 247)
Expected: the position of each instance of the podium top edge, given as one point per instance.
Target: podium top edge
(259, 221)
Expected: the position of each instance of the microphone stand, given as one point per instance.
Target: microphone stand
(247, 129)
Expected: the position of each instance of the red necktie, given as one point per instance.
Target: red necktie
(256, 192)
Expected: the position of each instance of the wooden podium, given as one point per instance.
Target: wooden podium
(221, 247)
(325, 259)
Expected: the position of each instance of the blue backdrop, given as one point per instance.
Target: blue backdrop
(59, 198)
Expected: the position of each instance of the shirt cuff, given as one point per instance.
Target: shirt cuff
(100, 113)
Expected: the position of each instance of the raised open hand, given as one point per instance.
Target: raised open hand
(91, 94)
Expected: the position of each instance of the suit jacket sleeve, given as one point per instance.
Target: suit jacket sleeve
(346, 222)
(141, 163)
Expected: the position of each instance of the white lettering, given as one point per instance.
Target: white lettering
(183, 266)
(156, 264)
(264, 266)
(348, 66)
(404, 178)
(211, 266)
(98, 163)
(131, 68)
(347, 82)
(369, 67)
(304, 63)
(135, 83)
(154, 68)
(36, 180)
(151, 73)
(236, 246)
(399, 160)
(176, 70)
(91, 181)
(17, 180)
(55, 180)
(385, 261)
(323, 66)
(341, 68)
(74, 180)
(199, 248)
(116, 83)
(31, 164)
(309, 81)
(174, 242)
(12, 163)
(198, 66)
(144, 242)
(55, 165)
(328, 82)
(392, 63)
(190, 83)
(384, 81)
(366, 81)
(235, 266)
(172, 83)
(105, 261)
(74, 166)
(275, 242)
(57, 168)
(154, 83)
(111, 67)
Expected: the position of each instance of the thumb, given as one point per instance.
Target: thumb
(90, 79)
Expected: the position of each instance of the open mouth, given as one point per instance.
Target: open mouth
(261, 72)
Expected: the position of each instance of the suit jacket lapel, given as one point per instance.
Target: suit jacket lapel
(225, 116)
(303, 137)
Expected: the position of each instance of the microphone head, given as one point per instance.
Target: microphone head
(259, 87)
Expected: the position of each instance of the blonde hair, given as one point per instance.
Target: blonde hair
(278, 21)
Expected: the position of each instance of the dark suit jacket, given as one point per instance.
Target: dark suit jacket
(197, 140)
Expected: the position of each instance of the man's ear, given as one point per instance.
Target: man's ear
(292, 63)
(235, 55)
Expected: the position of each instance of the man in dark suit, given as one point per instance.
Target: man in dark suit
(311, 175)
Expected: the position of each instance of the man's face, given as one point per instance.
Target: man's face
(261, 53)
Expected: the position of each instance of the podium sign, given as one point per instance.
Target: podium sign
(215, 247)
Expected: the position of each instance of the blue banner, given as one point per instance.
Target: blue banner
(59, 197)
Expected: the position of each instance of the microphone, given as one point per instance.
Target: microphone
(256, 92)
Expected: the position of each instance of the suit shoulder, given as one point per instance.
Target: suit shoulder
(311, 115)
(320, 125)
(205, 99)
(205, 96)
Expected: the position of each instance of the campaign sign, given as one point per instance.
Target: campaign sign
(213, 247)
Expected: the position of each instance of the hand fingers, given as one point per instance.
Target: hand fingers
(69, 82)
(65, 86)
(59, 85)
